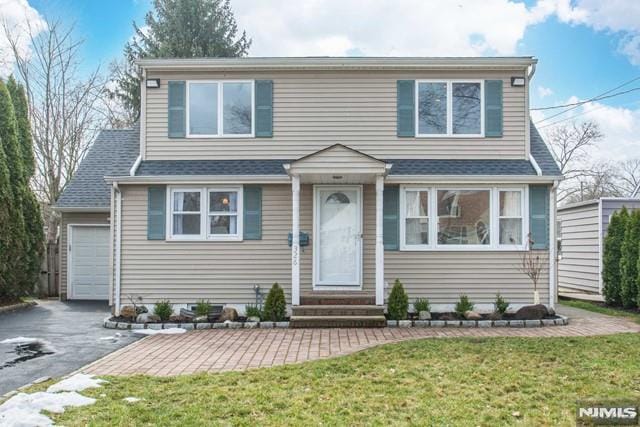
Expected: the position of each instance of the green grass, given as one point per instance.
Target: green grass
(433, 381)
(598, 308)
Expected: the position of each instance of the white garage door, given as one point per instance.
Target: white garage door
(89, 263)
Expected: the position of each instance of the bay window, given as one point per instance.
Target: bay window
(205, 213)
(450, 218)
(220, 109)
(450, 108)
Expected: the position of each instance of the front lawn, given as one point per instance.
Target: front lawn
(602, 309)
(491, 381)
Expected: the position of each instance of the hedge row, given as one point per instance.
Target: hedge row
(21, 224)
(621, 260)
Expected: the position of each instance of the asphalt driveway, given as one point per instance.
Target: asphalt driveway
(68, 337)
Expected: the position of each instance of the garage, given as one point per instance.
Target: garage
(88, 262)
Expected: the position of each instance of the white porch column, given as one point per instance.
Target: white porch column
(295, 241)
(379, 242)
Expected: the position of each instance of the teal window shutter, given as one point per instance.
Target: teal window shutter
(539, 216)
(493, 108)
(264, 108)
(391, 218)
(156, 207)
(177, 115)
(252, 219)
(406, 108)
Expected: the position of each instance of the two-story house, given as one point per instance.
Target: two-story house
(326, 175)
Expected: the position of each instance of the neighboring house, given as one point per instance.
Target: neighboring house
(322, 174)
(582, 229)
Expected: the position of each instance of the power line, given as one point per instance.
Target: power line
(577, 104)
(581, 114)
(599, 95)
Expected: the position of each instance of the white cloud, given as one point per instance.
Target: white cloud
(386, 28)
(18, 16)
(543, 92)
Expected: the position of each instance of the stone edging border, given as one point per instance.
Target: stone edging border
(18, 306)
(561, 321)
(110, 324)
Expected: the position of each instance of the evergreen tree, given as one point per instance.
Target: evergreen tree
(179, 29)
(14, 256)
(611, 275)
(33, 219)
(6, 230)
(629, 261)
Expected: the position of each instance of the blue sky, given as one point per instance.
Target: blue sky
(584, 47)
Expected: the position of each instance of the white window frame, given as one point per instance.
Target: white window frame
(204, 215)
(494, 218)
(238, 214)
(403, 216)
(220, 102)
(449, 134)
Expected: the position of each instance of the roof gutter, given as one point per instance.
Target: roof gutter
(213, 179)
(479, 179)
(80, 209)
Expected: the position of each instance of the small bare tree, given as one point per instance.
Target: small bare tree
(531, 265)
(570, 145)
(64, 106)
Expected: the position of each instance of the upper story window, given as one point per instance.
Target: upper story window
(450, 108)
(220, 109)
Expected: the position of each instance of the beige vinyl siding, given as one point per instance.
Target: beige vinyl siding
(313, 110)
(225, 272)
(338, 160)
(70, 218)
(442, 276)
(578, 269)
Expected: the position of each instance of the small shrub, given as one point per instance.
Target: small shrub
(398, 304)
(202, 308)
(501, 304)
(464, 305)
(422, 304)
(275, 306)
(163, 309)
(252, 310)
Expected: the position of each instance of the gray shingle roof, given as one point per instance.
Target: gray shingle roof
(541, 153)
(112, 154)
(461, 167)
(211, 167)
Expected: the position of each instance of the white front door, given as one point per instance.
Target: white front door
(337, 236)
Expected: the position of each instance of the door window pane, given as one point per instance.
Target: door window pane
(432, 108)
(203, 108)
(237, 111)
(464, 217)
(466, 108)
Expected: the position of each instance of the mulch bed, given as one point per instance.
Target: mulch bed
(485, 316)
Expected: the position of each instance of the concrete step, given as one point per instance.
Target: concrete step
(337, 322)
(338, 310)
(338, 298)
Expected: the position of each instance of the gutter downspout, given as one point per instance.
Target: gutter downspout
(535, 165)
(532, 71)
(117, 255)
(136, 165)
(552, 245)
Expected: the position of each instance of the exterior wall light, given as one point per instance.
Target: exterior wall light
(517, 81)
(153, 83)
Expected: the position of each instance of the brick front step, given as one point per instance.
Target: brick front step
(337, 298)
(337, 322)
(338, 310)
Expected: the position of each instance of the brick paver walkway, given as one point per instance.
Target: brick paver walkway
(217, 350)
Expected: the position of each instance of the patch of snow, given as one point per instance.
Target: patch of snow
(77, 382)
(111, 338)
(24, 409)
(132, 399)
(20, 340)
(172, 331)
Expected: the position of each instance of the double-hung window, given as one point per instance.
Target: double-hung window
(449, 108)
(220, 109)
(452, 218)
(208, 213)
